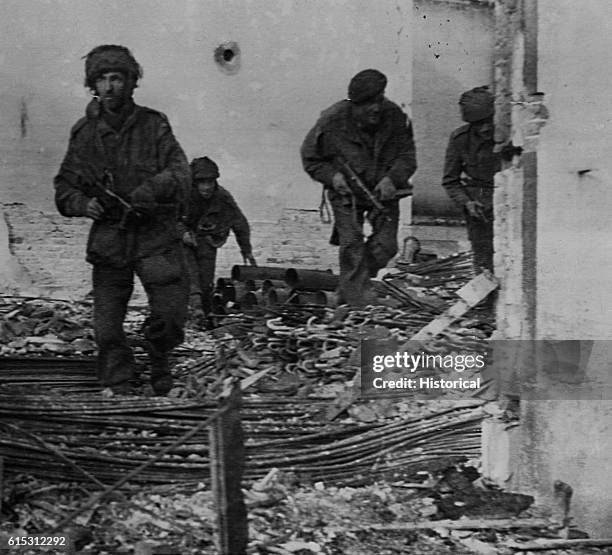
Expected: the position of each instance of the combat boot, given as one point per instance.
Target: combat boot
(161, 378)
(161, 336)
(115, 368)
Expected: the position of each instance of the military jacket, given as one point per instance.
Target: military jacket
(336, 138)
(143, 151)
(469, 167)
(212, 219)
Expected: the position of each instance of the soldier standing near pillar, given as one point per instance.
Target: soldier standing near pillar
(469, 169)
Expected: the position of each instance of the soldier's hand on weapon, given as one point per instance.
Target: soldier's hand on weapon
(143, 200)
(189, 239)
(475, 209)
(385, 189)
(340, 185)
(94, 209)
(249, 258)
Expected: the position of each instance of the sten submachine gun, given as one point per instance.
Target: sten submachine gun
(105, 186)
(360, 186)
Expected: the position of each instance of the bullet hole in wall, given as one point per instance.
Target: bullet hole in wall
(227, 57)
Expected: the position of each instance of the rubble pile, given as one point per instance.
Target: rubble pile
(30, 326)
(386, 476)
(308, 354)
(303, 347)
(284, 518)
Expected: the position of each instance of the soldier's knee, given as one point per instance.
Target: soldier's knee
(161, 269)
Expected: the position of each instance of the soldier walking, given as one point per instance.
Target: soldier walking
(362, 151)
(125, 170)
(210, 215)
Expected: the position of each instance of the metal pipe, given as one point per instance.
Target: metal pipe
(241, 289)
(248, 300)
(261, 297)
(242, 273)
(281, 296)
(228, 293)
(218, 304)
(331, 298)
(251, 285)
(311, 280)
(310, 297)
(412, 247)
(268, 284)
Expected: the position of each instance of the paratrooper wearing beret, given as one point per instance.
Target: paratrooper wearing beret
(366, 138)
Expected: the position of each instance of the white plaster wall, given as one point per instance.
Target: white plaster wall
(453, 52)
(297, 58)
(574, 253)
(567, 440)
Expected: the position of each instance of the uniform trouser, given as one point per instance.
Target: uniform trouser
(163, 278)
(480, 234)
(201, 261)
(360, 259)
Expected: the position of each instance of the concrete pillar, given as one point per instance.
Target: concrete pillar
(552, 277)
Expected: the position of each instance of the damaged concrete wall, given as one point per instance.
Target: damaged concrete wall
(13, 276)
(572, 440)
(47, 251)
(453, 52)
(555, 268)
(575, 171)
(520, 114)
(291, 59)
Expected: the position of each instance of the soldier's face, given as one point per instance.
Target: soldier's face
(206, 187)
(369, 113)
(484, 129)
(113, 89)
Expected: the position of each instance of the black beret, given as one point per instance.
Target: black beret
(204, 168)
(366, 85)
(477, 104)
